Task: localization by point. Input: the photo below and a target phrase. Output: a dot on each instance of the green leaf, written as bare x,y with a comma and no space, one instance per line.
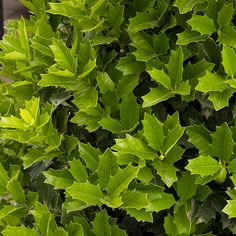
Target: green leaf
173,137
155,96
175,67
181,219
134,146
101,226
111,124
96,7
170,226
129,112
200,137
186,187
63,55
140,215
150,125
78,171
128,65
86,192
227,36
23,38
202,24
3,176
160,201
87,96
203,165
211,82
119,182
189,36
229,60
104,82
225,15
230,208
59,179
66,9
13,122
142,21
222,142
140,201
37,155
186,5
167,172
16,191
19,231
143,44
161,77
107,167
89,155
220,99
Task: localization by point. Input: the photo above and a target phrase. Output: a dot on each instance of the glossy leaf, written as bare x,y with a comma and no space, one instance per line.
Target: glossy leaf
203,165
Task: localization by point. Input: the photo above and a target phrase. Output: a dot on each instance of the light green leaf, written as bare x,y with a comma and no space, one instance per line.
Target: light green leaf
96,7
161,77
129,112
160,201
16,191
37,155
104,82
64,81
67,9
87,96
89,155
23,38
153,132
142,21
222,142
173,137
170,226
134,146
186,5
13,122
225,15
175,67
111,124
181,219
202,24
101,226
78,171
167,171
59,179
189,36
134,199
63,55
203,165
19,231
3,176
140,215
107,167
120,181
200,137
86,192
227,36
229,60
8,210
156,95
220,99
230,208
211,82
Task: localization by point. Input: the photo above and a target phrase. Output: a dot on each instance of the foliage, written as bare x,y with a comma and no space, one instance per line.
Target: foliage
119,118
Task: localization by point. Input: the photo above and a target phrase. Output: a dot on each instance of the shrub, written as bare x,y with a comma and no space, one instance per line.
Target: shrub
119,119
